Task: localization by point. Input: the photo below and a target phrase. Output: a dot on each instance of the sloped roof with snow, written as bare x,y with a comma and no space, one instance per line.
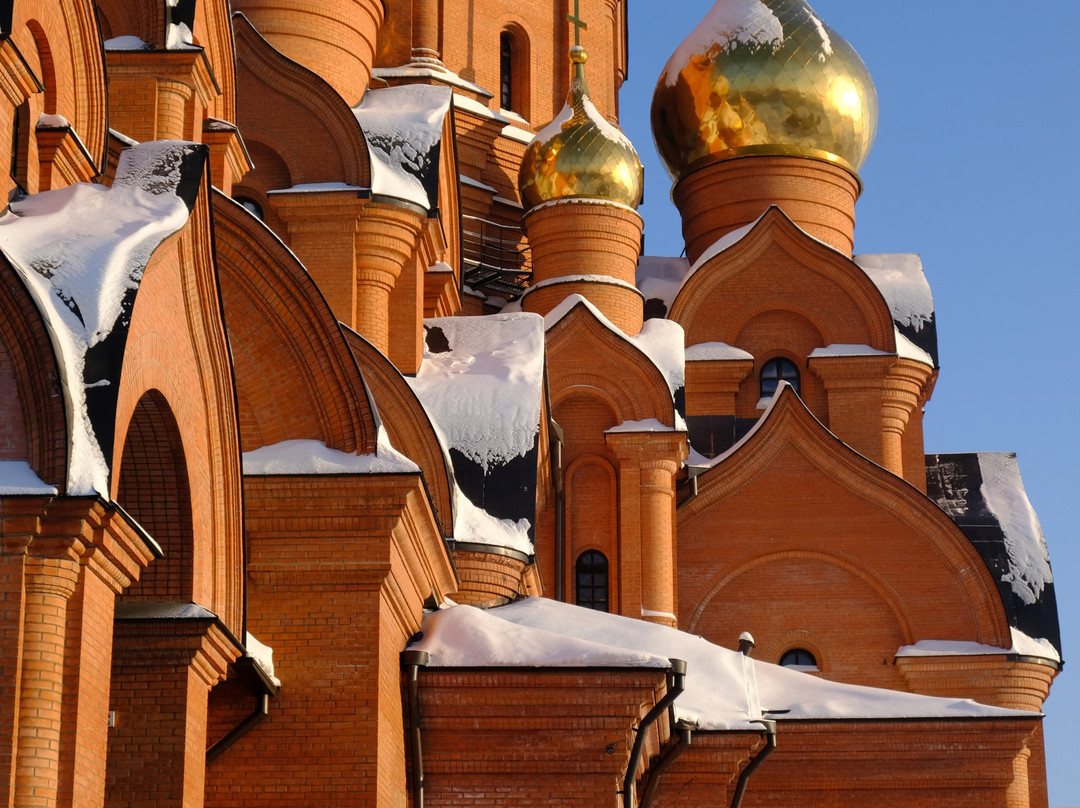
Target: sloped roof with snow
725,690
901,280
403,128
482,384
984,495
82,251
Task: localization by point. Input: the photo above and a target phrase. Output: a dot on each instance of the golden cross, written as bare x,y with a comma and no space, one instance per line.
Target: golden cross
578,23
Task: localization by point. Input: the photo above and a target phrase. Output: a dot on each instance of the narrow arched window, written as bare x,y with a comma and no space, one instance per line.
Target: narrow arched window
506,70
592,580
775,371
798,658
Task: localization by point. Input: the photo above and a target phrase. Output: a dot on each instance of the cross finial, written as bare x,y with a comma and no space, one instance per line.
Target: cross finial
578,23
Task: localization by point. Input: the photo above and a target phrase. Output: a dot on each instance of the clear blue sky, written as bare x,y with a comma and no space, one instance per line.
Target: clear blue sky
974,168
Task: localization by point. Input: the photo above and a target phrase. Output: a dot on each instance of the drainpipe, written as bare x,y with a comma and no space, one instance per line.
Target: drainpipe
413,661
263,689
744,778
664,764
675,689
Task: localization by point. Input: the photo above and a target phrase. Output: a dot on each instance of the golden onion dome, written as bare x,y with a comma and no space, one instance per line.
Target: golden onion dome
763,77
580,155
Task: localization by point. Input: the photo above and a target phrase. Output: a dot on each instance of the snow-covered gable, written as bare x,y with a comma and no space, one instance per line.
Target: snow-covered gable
725,690
901,280
82,251
984,494
403,129
482,384
660,340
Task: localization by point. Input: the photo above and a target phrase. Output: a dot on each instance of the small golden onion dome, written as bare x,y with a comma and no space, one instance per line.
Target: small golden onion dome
763,77
580,155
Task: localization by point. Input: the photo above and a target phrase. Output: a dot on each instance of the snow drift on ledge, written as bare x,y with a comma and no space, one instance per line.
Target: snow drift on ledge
725,690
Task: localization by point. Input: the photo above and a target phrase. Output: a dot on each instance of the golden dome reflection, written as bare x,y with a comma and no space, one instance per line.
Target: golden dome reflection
580,155
763,77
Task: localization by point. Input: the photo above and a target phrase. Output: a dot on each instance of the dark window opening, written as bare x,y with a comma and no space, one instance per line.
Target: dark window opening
506,70
775,371
798,658
592,580
251,206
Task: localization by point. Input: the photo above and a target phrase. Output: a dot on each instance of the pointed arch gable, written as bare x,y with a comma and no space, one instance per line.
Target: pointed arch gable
584,351
295,375
66,32
408,426
297,115
803,276
811,492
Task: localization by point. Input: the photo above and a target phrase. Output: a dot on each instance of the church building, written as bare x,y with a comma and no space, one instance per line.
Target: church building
353,454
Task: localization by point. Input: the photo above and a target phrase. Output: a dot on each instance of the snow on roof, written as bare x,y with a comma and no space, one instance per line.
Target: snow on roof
262,654
162,610
729,25
438,72
403,130
706,351
725,690
1022,645
314,457
474,525
1003,492
126,42
477,108
984,495
842,349
646,425
482,382
81,252
901,281
661,277
907,349
660,340
16,477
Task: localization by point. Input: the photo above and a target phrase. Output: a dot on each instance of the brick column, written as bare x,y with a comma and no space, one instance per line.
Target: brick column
901,395
49,583
425,40
713,384
163,669
853,385
386,238
647,465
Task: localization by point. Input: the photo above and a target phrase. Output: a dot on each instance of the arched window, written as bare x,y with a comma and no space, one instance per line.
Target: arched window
592,580
798,658
775,371
514,71
506,70
251,206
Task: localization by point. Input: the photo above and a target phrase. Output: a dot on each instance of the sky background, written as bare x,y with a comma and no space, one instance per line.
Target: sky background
975,169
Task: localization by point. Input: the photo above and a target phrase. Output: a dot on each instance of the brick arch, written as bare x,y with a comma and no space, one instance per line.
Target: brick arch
778,266
408,426
803,577
33,424
297,114
154,488
800,337
583,352
808,476
292,366
133,18
592,517
73,45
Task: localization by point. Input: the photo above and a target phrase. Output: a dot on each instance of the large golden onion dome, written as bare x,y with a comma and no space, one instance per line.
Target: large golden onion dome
580,155
763,77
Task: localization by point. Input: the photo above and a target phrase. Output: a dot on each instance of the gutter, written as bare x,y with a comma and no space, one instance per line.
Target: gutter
412,662
263,689
675,689
744,778
560,512
669,757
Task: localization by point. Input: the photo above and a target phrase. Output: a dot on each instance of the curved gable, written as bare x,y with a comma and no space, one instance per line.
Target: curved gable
33,426
776,266
295,376
297,115
410,430
853,540
584,352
